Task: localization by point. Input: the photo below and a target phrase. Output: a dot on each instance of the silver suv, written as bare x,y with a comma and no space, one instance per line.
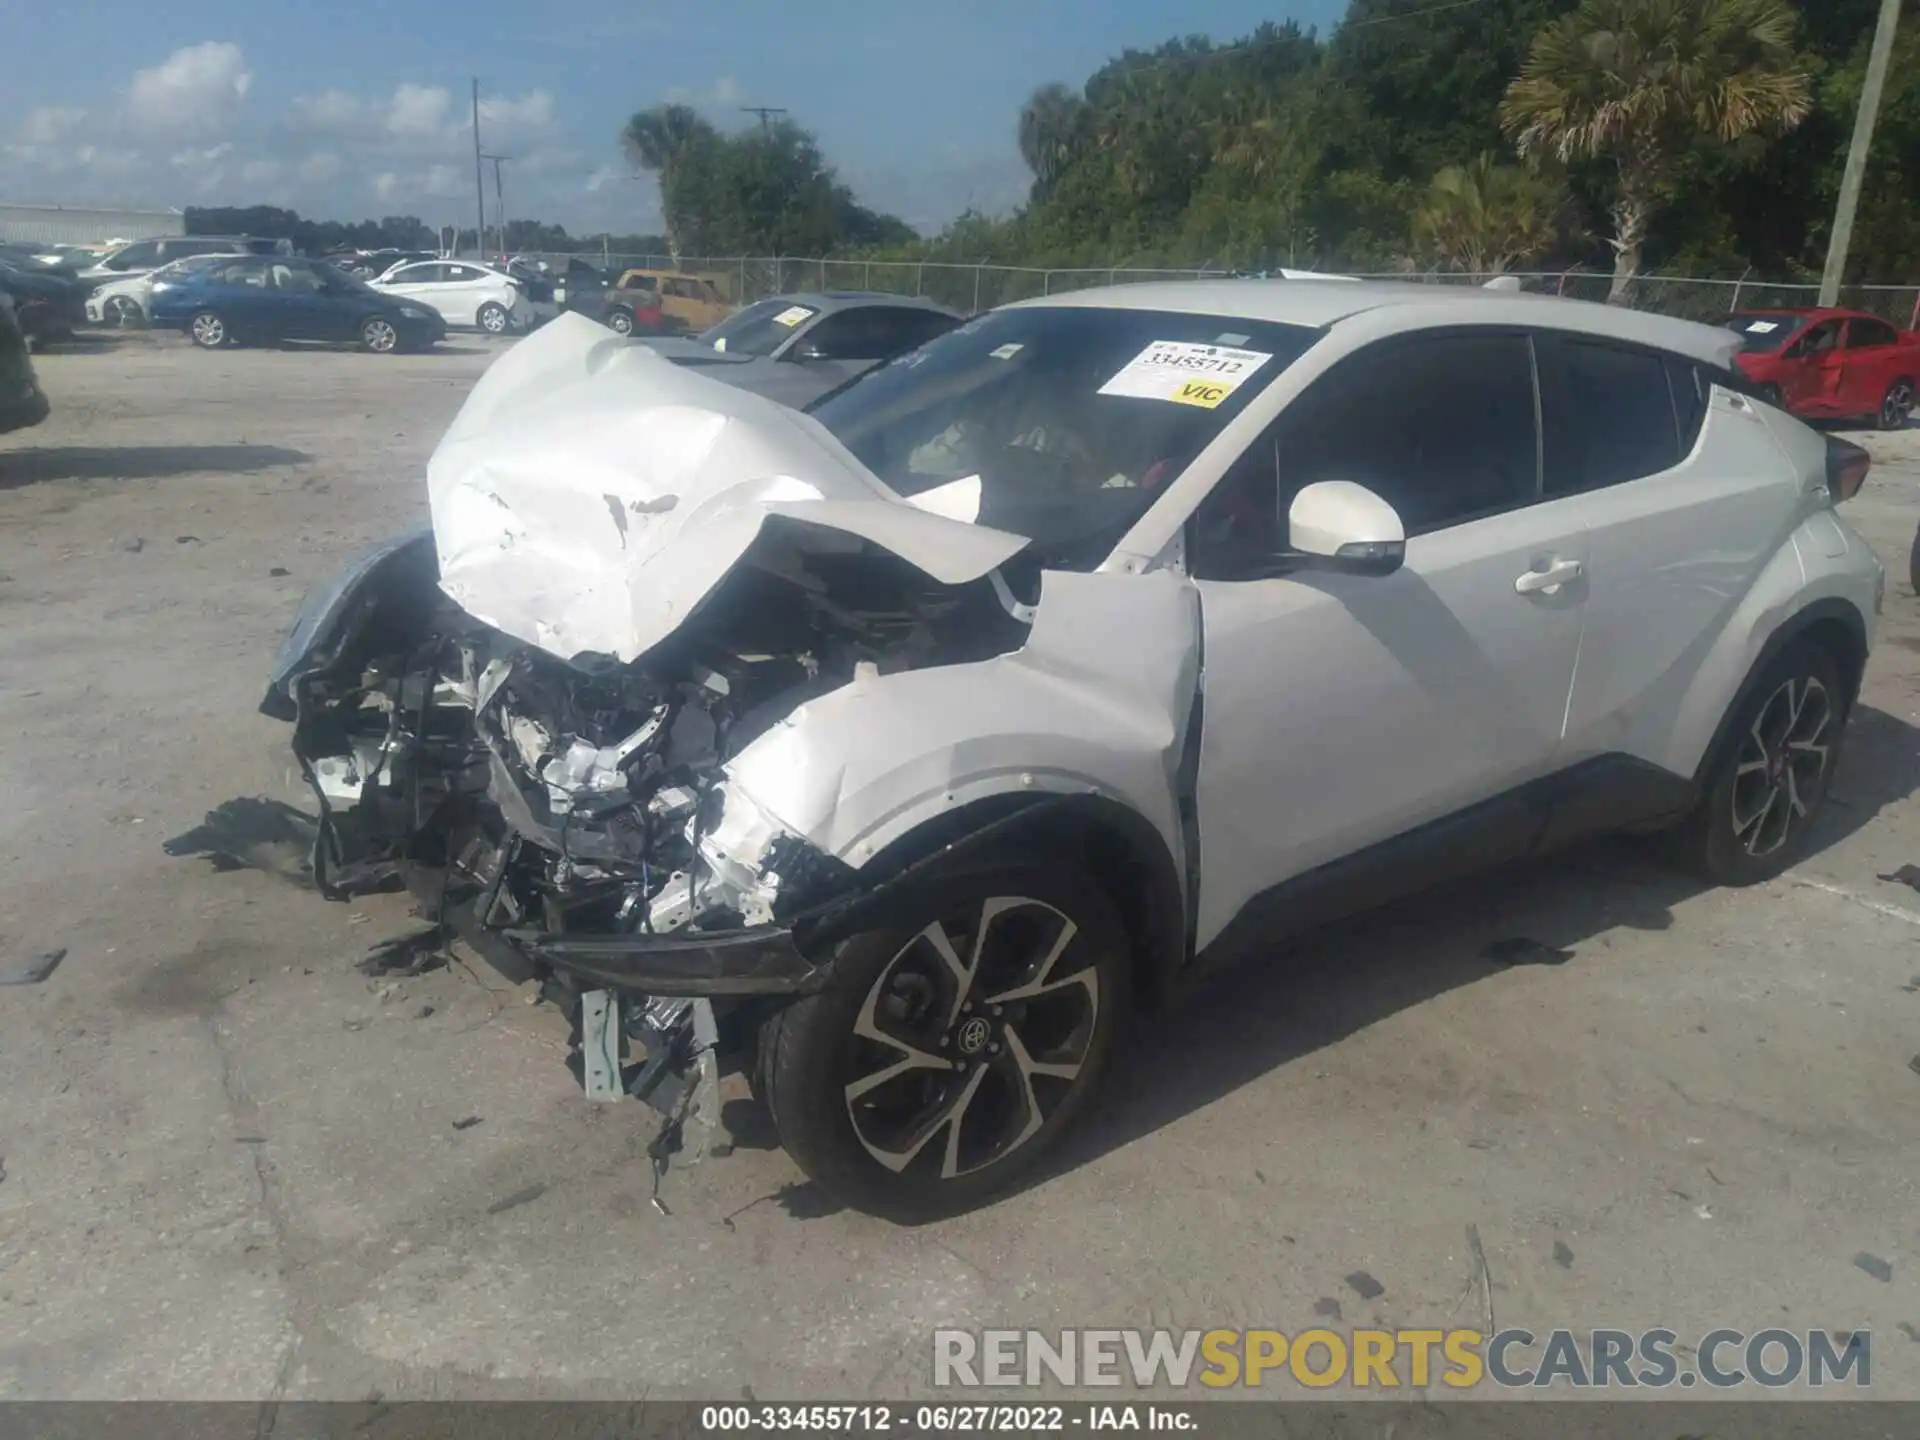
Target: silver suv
894,750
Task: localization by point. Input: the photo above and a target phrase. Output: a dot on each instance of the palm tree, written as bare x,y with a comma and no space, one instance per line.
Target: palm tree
657,140
1483,216
1642,83
1054,128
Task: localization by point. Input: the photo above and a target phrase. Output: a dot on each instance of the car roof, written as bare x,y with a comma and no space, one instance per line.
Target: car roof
831,300
1320,304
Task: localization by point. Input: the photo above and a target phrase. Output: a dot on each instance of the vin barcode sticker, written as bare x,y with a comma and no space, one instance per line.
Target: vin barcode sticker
1186,374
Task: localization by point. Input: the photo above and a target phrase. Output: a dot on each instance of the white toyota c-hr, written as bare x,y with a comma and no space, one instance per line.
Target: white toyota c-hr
898,747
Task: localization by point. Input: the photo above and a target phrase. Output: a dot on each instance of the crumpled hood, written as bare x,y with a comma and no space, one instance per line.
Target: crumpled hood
590,493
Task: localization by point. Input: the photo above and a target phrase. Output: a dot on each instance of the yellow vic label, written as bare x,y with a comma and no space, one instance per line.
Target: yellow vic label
1203,393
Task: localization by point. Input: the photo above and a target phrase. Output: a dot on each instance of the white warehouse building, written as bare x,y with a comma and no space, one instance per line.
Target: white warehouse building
85,224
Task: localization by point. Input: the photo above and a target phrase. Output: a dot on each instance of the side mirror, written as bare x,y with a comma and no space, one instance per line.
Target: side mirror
1338,525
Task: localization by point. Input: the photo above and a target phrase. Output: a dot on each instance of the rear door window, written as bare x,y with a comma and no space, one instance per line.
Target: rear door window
1609,412
1865,334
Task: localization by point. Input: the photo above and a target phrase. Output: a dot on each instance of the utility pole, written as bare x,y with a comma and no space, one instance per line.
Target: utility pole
1855,175
764,112
479,183
499,201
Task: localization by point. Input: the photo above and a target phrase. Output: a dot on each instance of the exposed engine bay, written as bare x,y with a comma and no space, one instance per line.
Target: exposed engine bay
526,800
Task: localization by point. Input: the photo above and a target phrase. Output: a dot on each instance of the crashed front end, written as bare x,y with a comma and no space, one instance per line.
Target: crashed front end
527,712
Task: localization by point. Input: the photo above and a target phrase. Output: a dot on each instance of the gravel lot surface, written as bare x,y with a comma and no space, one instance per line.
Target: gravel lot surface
232,1166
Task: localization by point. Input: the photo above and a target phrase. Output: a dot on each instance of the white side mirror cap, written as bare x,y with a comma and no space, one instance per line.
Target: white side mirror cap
1344,526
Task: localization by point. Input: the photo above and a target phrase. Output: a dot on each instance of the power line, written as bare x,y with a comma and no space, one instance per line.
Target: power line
763,111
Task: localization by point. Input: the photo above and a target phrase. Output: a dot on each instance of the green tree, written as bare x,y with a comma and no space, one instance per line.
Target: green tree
1643,84
1485,217
1055,127
668,142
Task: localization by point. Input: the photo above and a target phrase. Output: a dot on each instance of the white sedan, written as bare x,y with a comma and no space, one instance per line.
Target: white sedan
468,296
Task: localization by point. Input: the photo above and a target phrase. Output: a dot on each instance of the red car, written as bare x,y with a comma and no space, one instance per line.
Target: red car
1829,364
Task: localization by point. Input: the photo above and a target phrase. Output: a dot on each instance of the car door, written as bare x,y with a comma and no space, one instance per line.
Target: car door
1341,711
423,284
1811,383
301,310
1685,497
1871,356
242,291
465,289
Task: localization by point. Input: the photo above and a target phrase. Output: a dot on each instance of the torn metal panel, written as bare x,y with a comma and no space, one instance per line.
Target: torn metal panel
590,494
1096,702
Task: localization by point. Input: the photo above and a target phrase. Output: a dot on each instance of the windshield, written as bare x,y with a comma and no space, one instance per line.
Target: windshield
760,329
1765,332
1062,425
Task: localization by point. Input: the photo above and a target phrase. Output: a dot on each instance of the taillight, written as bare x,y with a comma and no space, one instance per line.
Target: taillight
1847,466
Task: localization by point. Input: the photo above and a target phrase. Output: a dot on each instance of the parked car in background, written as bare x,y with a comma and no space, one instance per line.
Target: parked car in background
632,310
47,304
254,298
689,303
795,348
538,289
22,402
1832,364
41,259
143,257
579,286
466,295
124,302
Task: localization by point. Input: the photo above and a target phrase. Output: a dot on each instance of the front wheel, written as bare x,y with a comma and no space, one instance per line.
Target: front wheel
1765,791
620,322
965,1031
1897,405
493,319
124,311
209,330
378,335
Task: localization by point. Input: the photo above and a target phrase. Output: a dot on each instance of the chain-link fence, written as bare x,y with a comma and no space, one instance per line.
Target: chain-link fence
972,288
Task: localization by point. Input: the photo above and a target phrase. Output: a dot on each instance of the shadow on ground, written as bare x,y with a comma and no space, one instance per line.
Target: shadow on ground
34,466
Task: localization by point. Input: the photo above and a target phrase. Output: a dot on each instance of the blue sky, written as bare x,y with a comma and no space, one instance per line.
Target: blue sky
342,111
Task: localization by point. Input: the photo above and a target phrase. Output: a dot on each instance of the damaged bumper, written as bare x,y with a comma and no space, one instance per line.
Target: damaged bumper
760,960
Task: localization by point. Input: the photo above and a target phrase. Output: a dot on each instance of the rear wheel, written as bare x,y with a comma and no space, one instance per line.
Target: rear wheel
493,318
209,330
1765,791
1897,405
377,333
966,1031
620,322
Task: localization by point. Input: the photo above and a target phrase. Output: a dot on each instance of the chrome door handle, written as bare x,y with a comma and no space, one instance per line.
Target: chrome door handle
1546,581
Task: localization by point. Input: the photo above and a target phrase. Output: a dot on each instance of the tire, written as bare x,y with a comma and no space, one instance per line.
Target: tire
494,319
998,1085
620,322
1913,563
1766,788
379,335
123,311
1896,405
209,330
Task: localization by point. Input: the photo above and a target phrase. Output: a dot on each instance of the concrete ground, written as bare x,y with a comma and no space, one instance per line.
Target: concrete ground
234,1167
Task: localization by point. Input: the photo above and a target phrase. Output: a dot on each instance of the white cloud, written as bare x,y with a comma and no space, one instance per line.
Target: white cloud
261,172
532,111
50,124
603,176
321,167
386,186
417,111
197,90
440,181
724,91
